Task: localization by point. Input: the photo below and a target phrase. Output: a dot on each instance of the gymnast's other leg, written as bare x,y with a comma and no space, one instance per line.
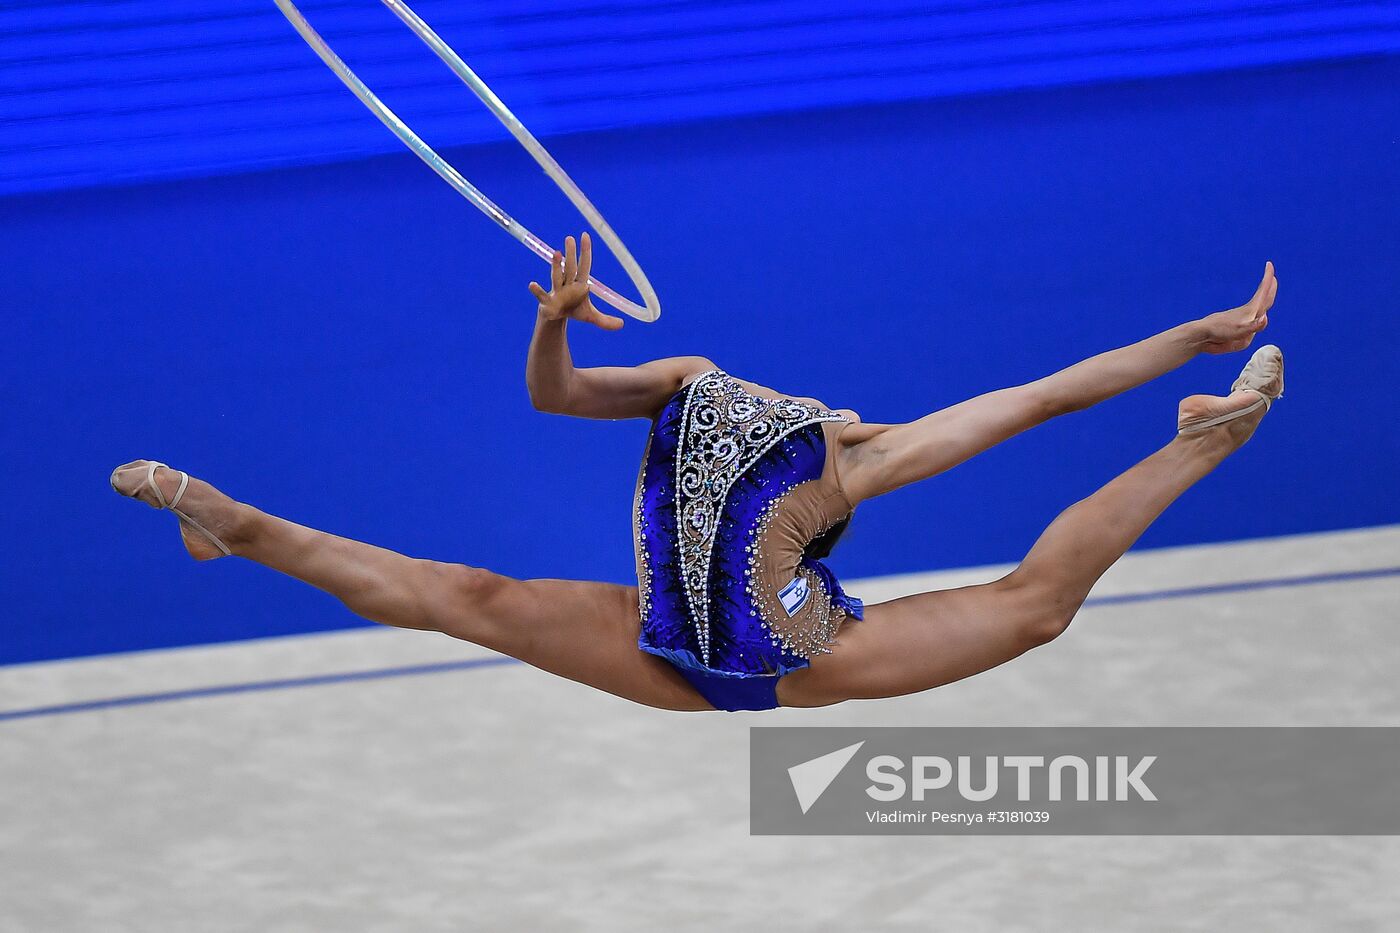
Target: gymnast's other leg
876,459
917,642
583,631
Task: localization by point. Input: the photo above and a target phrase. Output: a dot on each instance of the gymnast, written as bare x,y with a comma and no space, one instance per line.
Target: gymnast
742,491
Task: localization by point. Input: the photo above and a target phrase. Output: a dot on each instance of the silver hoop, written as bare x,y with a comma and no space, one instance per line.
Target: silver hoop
648,311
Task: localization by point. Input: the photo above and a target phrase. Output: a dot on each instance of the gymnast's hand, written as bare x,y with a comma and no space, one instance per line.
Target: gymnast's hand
568,298
1228,331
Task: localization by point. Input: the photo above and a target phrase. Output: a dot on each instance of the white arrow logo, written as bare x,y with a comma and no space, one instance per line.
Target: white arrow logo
811,778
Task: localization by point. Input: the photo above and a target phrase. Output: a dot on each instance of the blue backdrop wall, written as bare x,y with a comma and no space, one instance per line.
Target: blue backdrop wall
92,93
344,344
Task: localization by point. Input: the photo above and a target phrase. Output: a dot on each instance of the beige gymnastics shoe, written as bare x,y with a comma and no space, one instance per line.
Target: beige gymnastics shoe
137,480
1259,384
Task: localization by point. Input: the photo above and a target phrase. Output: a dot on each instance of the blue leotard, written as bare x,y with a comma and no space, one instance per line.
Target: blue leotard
732,491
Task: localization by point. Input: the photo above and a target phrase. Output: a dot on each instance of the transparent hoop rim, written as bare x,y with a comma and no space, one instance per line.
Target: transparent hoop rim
648,311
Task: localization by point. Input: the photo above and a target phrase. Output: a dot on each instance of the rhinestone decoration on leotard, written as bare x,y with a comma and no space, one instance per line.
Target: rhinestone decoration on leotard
724,431
639,541
803,636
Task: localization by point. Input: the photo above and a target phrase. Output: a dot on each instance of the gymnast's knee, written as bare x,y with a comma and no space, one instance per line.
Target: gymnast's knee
459,599
1050,624
1041,611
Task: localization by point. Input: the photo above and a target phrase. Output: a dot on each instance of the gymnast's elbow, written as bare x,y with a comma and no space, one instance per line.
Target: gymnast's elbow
549,403
549,406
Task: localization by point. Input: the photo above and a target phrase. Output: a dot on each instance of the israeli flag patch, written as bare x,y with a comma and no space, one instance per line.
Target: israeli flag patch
794,595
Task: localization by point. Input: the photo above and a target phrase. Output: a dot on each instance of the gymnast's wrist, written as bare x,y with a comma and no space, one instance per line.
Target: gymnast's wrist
1196,334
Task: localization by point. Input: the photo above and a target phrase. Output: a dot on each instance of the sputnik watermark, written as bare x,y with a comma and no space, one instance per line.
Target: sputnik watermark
1075,781
811,778
1117,778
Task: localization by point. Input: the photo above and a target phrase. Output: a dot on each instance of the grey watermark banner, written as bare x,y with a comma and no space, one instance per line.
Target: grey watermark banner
1074,781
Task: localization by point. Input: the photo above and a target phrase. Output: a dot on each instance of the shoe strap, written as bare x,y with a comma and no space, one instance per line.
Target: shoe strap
155,487
180,493
1268,399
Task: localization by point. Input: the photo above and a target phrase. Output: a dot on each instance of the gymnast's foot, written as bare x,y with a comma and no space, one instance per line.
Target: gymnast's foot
1239,410
1239,413
211,524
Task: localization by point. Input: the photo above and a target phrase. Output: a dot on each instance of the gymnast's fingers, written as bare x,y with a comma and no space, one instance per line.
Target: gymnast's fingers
570,264
539,292
1261,293
556,270
1264,300
605,321
585,259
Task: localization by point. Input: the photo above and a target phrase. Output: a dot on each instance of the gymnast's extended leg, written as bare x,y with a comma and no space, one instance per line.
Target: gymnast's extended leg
917,642
583,631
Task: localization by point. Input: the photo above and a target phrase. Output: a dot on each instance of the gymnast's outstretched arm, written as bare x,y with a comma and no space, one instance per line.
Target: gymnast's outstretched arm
607,392
878,458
